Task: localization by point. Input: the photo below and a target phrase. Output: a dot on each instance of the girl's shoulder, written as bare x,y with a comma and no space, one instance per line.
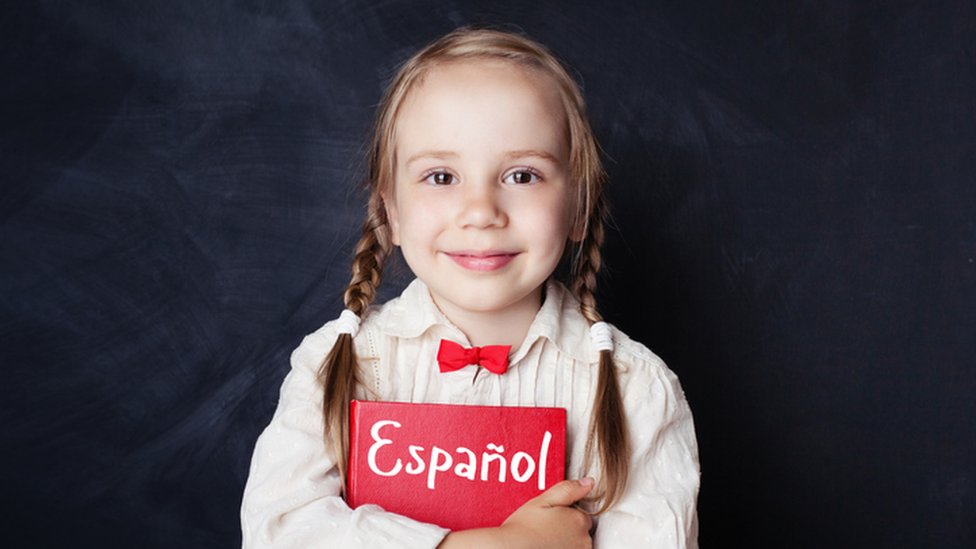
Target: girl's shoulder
316,345
638,366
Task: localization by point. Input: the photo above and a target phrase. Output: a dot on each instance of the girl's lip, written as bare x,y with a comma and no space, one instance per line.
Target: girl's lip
482,261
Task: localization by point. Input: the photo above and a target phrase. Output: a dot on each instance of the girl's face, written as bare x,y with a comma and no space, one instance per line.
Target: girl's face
481,205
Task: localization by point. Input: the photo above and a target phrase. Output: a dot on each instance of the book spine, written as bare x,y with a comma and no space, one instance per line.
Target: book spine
352,464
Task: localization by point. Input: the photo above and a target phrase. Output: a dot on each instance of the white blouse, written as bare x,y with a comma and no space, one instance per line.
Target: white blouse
292,495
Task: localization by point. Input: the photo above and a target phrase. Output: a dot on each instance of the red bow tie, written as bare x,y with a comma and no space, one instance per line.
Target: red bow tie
452,356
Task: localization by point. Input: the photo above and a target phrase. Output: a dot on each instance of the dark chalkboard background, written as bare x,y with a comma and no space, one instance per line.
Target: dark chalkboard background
794,192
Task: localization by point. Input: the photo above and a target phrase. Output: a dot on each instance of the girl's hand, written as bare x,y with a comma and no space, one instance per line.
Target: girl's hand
548,520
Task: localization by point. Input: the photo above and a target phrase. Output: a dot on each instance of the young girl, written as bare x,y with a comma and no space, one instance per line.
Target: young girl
486,174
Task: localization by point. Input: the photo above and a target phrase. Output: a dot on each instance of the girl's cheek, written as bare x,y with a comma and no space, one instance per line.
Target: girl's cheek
420,218
431,205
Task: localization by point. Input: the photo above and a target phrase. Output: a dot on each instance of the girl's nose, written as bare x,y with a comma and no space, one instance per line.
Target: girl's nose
481,206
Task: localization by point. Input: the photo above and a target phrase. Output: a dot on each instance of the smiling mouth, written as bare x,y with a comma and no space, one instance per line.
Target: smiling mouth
482,261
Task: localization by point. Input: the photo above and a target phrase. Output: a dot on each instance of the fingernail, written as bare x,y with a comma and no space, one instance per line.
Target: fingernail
586,481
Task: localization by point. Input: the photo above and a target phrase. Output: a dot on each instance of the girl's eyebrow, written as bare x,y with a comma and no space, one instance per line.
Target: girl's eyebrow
530,153
439,155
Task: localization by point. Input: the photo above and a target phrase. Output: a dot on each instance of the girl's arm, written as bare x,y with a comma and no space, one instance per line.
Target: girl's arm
292,495
658,507
548,520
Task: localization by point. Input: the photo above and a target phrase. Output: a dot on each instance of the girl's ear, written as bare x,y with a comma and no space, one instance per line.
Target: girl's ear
392,218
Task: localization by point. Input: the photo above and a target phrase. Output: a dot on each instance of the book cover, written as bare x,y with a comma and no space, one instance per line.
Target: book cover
456,466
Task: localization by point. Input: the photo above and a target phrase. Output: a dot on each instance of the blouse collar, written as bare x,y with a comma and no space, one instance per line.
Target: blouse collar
559,320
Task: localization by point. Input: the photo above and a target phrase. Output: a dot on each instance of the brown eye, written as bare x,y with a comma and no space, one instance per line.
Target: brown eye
521,177
441,178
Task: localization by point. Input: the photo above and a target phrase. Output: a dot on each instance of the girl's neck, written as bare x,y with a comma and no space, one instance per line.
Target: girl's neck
500,327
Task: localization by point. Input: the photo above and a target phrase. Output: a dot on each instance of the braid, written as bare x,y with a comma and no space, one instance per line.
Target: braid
338,372
608,429
371,252
588,262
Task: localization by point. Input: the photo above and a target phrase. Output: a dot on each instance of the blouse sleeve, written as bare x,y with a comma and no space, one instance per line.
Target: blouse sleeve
658,507
292,499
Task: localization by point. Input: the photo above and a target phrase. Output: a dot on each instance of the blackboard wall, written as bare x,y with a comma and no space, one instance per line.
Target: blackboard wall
794,231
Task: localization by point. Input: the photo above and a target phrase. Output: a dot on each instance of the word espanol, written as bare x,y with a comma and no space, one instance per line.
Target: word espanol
522,466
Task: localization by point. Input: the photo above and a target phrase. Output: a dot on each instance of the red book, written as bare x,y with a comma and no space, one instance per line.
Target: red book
456,466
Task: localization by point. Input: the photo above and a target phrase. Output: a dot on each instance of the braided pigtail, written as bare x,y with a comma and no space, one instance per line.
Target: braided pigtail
608,428
338,372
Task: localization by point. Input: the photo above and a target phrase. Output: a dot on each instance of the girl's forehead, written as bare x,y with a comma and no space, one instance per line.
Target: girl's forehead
471,98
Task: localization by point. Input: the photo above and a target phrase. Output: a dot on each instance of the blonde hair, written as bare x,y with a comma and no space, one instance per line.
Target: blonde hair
607,430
